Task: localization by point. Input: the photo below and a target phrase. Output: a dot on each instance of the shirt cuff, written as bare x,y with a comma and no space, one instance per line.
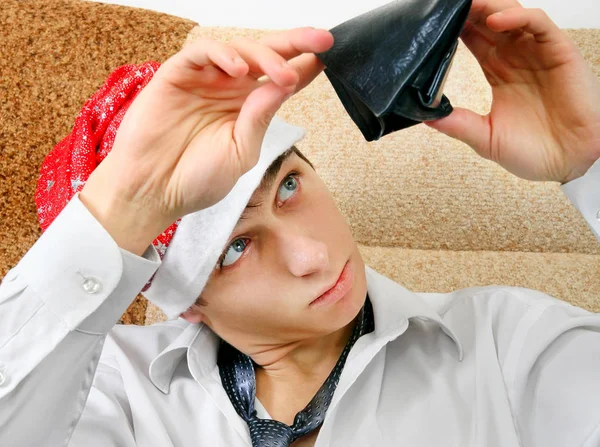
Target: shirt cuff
76,267
584,192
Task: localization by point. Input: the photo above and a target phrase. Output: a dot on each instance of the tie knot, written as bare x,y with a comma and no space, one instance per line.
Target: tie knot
269,433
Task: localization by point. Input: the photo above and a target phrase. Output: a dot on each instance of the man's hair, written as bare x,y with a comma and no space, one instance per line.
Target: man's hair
268,178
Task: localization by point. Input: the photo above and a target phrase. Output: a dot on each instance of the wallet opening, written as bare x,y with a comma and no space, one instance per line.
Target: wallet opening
431,96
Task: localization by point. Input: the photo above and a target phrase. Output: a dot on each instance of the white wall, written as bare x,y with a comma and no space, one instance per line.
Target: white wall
281,14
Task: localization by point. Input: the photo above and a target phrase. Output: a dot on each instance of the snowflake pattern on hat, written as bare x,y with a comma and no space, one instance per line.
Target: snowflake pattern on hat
67,167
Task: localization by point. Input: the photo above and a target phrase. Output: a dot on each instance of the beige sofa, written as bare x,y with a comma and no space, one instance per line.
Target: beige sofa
425,209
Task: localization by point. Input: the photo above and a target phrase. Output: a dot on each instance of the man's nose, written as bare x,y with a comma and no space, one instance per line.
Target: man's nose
302,254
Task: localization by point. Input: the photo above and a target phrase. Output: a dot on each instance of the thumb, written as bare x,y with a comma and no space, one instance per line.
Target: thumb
468,127
254,118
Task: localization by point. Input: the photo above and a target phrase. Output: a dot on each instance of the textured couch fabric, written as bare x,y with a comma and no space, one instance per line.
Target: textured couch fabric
425,209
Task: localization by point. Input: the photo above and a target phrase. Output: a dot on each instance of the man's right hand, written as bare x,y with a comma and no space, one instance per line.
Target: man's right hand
195,128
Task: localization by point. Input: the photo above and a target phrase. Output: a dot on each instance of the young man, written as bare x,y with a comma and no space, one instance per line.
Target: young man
286,338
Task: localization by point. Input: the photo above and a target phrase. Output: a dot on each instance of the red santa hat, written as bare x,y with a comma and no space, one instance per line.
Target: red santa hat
190,247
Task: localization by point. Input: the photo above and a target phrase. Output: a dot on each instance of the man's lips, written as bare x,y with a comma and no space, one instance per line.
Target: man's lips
339,289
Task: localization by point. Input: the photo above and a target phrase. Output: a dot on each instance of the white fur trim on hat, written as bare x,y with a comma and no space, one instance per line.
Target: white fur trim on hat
201,236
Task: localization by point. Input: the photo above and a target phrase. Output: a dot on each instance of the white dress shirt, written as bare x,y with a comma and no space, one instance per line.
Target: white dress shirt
485,366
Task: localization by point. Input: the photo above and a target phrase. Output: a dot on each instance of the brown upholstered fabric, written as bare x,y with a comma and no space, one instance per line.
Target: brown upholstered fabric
424,208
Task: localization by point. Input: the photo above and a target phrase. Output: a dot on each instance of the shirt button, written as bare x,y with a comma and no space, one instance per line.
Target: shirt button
2,375
91,285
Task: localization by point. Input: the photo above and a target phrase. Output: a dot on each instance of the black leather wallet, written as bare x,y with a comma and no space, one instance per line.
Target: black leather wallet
389,65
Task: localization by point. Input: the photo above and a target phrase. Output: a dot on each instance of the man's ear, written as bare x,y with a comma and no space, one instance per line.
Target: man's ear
192,314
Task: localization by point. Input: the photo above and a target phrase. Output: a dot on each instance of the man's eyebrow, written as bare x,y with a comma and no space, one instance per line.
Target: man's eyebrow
267,182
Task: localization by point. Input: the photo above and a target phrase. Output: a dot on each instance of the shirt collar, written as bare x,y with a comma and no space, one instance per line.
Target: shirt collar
393,304
198,344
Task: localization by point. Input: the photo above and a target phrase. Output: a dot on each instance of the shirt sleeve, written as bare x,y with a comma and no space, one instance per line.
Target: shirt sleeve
584,192
552,374
56,307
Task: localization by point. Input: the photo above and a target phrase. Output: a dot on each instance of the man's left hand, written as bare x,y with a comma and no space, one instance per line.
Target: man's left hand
544,123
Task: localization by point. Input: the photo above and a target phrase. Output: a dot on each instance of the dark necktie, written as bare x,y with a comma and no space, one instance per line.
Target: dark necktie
237,375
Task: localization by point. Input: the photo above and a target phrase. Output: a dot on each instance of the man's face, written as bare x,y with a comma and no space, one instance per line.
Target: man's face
290,245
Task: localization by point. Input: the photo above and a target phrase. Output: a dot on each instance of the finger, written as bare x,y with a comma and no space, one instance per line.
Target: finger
254,118
482,49
468,127
531,20
298,46
263,60
294,42
477,43
203,52
482,9
481,40
308,66
289,44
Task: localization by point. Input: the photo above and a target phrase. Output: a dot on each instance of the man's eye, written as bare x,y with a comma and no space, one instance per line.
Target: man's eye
288,187
236,249
233,252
